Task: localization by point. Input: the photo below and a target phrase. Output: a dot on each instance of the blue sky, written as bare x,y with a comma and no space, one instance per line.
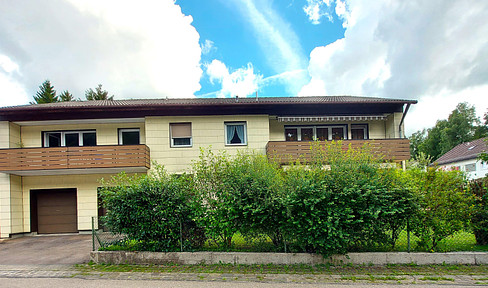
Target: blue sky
236,42
432,51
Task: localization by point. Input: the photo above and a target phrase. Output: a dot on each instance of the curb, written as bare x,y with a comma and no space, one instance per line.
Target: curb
245,258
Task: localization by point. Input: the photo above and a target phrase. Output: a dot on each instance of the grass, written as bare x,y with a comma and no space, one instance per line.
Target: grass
389,272
461,241
436,278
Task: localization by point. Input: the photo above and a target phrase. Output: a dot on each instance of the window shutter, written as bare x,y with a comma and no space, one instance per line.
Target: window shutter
180,130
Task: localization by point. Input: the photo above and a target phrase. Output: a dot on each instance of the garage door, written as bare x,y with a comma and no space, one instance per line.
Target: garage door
56,211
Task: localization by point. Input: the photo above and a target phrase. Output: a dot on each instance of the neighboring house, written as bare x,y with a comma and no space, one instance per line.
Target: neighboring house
54,154
464,157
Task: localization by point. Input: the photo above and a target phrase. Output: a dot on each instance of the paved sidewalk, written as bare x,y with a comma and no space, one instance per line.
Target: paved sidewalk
69,271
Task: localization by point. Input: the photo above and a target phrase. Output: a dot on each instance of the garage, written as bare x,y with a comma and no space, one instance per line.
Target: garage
54,211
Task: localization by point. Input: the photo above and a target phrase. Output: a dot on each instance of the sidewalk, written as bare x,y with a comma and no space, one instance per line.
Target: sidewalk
80,272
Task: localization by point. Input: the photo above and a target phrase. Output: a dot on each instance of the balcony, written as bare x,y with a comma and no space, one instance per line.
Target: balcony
390,149
75,160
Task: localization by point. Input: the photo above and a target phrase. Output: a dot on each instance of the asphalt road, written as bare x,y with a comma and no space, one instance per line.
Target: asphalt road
75,283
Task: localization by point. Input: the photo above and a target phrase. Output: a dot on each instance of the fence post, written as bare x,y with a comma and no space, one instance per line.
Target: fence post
181,236
93,233
408,235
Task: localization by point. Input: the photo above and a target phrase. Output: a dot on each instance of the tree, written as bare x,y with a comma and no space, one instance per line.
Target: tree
45,94
66,96
462,126
98,94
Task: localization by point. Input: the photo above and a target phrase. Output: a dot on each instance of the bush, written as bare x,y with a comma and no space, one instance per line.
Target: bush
479,219
344,201
445,205
156,210
241,193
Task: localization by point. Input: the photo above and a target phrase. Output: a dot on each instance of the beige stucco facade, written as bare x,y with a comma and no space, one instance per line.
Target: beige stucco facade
206,132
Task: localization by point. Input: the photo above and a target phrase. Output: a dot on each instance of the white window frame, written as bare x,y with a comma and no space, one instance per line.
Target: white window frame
63,136
245,133
314,127
122,130
172,144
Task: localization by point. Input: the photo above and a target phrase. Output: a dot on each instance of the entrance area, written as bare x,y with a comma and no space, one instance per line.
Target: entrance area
53,211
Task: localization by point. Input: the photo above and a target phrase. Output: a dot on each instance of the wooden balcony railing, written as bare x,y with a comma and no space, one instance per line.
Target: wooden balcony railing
55,158
388,149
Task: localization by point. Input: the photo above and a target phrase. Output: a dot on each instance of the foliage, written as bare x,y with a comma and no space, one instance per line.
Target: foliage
97,94
461,126
240,194
420,161
45,94
479,219
156,210
445,205
66,96
349,204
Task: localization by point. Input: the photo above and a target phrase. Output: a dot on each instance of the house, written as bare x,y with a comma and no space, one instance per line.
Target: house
464,157
53,155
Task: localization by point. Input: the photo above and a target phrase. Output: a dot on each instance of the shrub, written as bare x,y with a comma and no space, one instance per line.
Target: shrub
479,219
445,205
157,210
344,201
241,193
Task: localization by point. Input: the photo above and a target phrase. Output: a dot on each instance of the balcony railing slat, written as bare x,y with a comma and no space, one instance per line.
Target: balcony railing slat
110,156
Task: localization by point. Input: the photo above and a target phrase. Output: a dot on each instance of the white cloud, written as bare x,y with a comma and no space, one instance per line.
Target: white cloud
434,51
277,40
207,46
143,49
316,9
241,82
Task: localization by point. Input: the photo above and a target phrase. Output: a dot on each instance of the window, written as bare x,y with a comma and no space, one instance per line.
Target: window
235,133
359,131
70,138
180,134
321,133
129,136
470,167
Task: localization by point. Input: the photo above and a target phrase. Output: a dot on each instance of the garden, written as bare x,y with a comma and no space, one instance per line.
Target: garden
341,201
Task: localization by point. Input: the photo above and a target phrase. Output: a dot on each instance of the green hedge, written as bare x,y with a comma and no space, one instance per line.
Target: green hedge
341,202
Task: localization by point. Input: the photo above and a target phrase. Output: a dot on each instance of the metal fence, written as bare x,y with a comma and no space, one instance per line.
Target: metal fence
102,238
406,242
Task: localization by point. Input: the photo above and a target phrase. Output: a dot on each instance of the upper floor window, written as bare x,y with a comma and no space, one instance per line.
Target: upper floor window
321,133
235,133
129,136
180,134
70,138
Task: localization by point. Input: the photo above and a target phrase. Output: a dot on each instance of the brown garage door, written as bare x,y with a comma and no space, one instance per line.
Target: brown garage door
56,211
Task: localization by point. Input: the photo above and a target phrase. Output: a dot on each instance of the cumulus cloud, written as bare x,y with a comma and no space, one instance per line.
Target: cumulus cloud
241,82
143,49
407,49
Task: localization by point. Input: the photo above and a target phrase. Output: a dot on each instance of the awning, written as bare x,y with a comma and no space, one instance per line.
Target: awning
331,118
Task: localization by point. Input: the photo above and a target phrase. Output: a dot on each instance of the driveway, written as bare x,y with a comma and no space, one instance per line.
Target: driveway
56,249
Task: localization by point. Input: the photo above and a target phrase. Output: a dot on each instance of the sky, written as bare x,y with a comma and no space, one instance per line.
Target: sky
432,51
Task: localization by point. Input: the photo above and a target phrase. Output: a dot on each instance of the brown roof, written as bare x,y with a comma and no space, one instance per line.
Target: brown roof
203,106
464,151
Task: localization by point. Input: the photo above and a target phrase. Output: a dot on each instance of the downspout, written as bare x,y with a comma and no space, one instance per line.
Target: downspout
401,121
